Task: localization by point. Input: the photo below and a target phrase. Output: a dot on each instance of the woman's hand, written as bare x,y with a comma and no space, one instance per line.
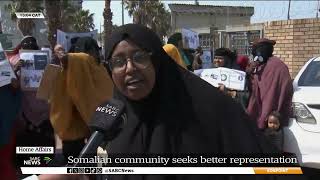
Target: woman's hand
232,93
18,66
63,58
221,87
229,92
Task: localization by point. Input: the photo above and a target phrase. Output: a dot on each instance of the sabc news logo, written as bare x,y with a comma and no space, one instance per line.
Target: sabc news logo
36,161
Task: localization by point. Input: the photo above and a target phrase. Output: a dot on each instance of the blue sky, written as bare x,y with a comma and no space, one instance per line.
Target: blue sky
263,10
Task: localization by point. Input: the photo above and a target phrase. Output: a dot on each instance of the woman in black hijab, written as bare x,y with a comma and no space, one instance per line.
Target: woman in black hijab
169,109
29,43
224,57
89,46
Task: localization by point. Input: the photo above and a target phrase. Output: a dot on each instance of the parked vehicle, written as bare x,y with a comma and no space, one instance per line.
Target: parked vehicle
302,136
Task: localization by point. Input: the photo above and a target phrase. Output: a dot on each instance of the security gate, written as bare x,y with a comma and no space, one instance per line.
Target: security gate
241,41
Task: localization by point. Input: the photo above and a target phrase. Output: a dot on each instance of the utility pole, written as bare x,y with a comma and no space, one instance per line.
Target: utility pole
101,36
0,26
107,25
289,10
317,16
122,4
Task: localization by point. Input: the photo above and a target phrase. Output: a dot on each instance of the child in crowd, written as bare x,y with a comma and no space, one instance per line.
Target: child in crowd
273,132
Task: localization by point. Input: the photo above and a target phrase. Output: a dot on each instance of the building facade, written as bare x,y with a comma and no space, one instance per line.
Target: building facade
209,21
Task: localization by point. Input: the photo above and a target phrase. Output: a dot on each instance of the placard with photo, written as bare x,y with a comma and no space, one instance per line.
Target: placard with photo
34,64
6,71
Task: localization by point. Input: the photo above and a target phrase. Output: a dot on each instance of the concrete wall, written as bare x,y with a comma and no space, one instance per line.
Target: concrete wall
297,41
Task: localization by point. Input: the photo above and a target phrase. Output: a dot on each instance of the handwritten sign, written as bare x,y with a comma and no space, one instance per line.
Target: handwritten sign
33,67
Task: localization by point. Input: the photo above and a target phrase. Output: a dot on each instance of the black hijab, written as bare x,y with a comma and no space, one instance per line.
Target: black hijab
89,46
263,49
183,114
175,38
29,43
228,56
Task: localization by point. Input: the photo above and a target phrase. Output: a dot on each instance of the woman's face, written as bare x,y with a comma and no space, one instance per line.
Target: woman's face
218,61
135,76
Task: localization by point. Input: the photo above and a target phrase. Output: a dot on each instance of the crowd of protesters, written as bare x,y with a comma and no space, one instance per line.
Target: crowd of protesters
169,109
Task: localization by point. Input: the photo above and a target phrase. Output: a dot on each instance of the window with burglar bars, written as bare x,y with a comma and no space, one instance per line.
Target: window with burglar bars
205,41
240,41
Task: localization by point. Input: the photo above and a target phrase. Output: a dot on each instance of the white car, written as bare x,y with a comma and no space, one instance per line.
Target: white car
302,136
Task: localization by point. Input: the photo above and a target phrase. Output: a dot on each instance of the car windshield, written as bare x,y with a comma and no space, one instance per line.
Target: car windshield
311,75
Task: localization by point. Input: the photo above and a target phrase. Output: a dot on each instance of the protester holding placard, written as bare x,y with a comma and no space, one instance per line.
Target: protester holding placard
79,88
224,57
34,115
226,76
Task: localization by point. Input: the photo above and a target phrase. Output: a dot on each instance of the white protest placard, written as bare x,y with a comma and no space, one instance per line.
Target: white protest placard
231,78
64,38
6,71
35,61
190,39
